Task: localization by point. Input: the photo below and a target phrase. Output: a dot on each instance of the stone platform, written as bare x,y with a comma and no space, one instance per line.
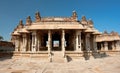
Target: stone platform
110,64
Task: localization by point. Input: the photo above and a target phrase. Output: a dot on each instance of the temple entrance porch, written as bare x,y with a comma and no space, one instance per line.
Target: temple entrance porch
54,40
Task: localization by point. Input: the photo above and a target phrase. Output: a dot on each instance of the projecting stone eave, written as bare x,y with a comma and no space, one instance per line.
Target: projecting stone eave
15,33
23,30
89,30
96,32
55,25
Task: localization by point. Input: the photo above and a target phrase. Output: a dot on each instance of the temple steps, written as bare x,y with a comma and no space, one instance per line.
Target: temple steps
58,57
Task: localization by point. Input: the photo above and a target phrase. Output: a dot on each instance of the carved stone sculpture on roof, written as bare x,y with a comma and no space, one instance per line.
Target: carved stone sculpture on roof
83,20
37,16
28,21
90,23
20,24
74,16
105,32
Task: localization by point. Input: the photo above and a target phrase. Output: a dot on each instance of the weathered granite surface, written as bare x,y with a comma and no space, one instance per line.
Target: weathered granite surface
109,64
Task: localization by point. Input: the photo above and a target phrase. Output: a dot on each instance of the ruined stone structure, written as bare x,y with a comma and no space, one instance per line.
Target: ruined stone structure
54,37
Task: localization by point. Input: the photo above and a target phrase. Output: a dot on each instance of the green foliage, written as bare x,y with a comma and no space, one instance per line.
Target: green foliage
1,38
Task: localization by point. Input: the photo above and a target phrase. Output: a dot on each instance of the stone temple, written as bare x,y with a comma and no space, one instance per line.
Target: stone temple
57,38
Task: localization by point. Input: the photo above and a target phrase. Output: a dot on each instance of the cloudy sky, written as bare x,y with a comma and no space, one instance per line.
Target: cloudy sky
104,13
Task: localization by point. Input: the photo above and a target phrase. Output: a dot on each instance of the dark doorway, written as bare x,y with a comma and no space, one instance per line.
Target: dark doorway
56,41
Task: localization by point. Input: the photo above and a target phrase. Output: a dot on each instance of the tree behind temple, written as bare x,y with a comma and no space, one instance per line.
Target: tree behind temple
1,38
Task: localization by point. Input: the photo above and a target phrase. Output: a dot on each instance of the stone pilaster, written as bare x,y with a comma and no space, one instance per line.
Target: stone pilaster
105,46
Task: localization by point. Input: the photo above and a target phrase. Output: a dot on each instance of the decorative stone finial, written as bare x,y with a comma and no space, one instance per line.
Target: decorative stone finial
74,16
105,32
114,33
83,18
28,21
20,24
90,23
37,16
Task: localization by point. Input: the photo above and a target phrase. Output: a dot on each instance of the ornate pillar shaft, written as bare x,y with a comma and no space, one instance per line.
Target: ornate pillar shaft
95,43
17,43
29,43
34,41
106,46
38,46
117,46
78,40
39,42
63,42
113,46
87,42
24,42
49,41
102,46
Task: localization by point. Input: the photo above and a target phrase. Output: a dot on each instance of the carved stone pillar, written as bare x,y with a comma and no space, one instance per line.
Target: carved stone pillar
24,42
63,42
78,40
38,44
117,46
87,39
113,46
34,41
95,43
106,46
49,41
102,48
29,42
17,43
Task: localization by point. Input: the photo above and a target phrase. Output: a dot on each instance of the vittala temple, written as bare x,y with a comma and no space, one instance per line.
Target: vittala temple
60,38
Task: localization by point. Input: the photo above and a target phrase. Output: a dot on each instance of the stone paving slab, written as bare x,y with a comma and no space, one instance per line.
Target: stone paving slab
109,64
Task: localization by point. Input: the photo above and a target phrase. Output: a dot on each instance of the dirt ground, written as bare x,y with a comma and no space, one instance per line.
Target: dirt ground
110,64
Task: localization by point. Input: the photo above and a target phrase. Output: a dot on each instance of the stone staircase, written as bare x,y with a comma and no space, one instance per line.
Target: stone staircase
58,57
